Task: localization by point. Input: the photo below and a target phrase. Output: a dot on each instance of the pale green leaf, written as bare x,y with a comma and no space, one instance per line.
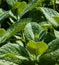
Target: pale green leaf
2,32
19,7
37,48
4,62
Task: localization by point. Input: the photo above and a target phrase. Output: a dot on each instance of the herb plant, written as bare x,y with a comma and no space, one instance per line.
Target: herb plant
29,32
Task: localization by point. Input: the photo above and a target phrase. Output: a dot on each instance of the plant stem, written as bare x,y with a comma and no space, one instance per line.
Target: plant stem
54,6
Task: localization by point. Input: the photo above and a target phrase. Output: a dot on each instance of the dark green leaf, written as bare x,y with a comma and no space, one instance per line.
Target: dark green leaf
16,27
49,58
49,14
53,45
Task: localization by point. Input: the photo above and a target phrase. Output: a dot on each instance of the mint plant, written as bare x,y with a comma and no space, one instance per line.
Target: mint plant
29,32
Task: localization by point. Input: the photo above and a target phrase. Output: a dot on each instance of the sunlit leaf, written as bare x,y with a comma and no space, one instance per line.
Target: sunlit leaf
37,48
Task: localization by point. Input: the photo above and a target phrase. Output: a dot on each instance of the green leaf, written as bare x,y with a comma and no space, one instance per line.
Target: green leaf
42,47
47,34
19,7
14,53
13,58
36,48
49,14
31,5
53,45
19,42
28,32
2,32
57,1
49,58
16,49
13,29
11,2
3,15
4,62
56,33
6,14
56,18
36,16
31,31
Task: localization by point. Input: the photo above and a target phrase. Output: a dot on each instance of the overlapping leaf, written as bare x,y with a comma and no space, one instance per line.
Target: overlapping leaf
49,14
31,31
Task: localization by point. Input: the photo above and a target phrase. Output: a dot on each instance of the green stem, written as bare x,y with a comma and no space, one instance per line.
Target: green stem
54,6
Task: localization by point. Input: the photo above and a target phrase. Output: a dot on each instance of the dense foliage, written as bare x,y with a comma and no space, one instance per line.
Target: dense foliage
29,32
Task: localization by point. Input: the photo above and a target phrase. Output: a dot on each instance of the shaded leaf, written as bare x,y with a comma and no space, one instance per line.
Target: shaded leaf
31,5
56,33
49,14
49,58
19,7
11,2
2,32
53,45
13,29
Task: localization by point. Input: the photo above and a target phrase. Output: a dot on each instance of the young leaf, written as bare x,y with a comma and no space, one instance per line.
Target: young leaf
19,7
37,48
11,2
